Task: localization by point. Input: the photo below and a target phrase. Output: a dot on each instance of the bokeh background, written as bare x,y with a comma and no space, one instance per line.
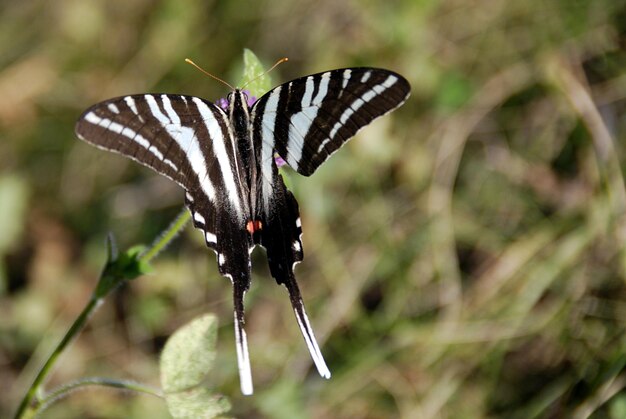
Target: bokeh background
464,256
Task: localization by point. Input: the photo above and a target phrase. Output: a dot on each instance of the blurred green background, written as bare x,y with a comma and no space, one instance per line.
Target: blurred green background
464,256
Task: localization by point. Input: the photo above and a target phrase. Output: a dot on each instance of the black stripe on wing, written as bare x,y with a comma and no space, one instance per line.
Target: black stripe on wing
308,119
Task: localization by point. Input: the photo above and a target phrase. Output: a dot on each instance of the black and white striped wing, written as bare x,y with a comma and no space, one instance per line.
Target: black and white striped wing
308,119
185,138
190,141
305,121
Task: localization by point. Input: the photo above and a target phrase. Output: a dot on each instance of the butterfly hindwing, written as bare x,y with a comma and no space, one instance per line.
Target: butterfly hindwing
281,237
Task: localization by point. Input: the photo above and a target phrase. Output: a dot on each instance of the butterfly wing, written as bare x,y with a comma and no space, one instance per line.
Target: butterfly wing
280,236
190,141
307,119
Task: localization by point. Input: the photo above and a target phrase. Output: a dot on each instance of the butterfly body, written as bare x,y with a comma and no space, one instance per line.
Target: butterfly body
224,160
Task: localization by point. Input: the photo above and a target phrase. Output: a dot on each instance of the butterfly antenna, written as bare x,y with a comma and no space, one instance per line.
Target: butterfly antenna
188,61
276,64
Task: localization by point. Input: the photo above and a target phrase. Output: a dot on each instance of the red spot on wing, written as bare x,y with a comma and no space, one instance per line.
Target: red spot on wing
254,225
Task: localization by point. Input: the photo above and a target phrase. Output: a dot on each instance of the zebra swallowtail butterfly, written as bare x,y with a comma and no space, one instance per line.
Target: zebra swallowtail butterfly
224,160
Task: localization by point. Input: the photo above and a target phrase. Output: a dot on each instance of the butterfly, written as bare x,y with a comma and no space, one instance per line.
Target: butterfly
224,159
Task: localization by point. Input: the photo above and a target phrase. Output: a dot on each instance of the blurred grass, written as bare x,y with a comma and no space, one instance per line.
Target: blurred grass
464,256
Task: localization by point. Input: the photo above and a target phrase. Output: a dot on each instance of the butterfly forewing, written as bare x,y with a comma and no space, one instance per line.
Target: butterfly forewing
184,138
308,119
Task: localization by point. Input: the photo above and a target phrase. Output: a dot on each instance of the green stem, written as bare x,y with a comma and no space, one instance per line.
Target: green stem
66,389
166,237
29,404
79,323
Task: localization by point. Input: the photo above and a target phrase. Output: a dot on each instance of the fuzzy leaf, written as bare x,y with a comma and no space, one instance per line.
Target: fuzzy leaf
189,355
186,359
196,403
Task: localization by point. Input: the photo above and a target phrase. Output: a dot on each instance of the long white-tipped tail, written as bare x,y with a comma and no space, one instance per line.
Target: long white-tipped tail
309,338
243,357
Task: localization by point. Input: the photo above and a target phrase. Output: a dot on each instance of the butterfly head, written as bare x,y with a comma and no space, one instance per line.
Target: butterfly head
237,98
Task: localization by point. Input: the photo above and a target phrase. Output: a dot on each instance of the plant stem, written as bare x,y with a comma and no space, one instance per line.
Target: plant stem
79,323
66,389
166,236
29,404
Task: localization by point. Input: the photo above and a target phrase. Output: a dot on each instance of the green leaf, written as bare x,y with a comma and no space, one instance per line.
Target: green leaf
120,267
252,69
189,354
187,358
196,403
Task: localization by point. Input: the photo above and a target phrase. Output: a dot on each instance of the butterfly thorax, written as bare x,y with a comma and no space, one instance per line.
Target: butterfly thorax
240,121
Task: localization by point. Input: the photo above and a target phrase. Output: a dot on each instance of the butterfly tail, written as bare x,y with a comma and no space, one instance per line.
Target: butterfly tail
243,356
305,327
233,258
